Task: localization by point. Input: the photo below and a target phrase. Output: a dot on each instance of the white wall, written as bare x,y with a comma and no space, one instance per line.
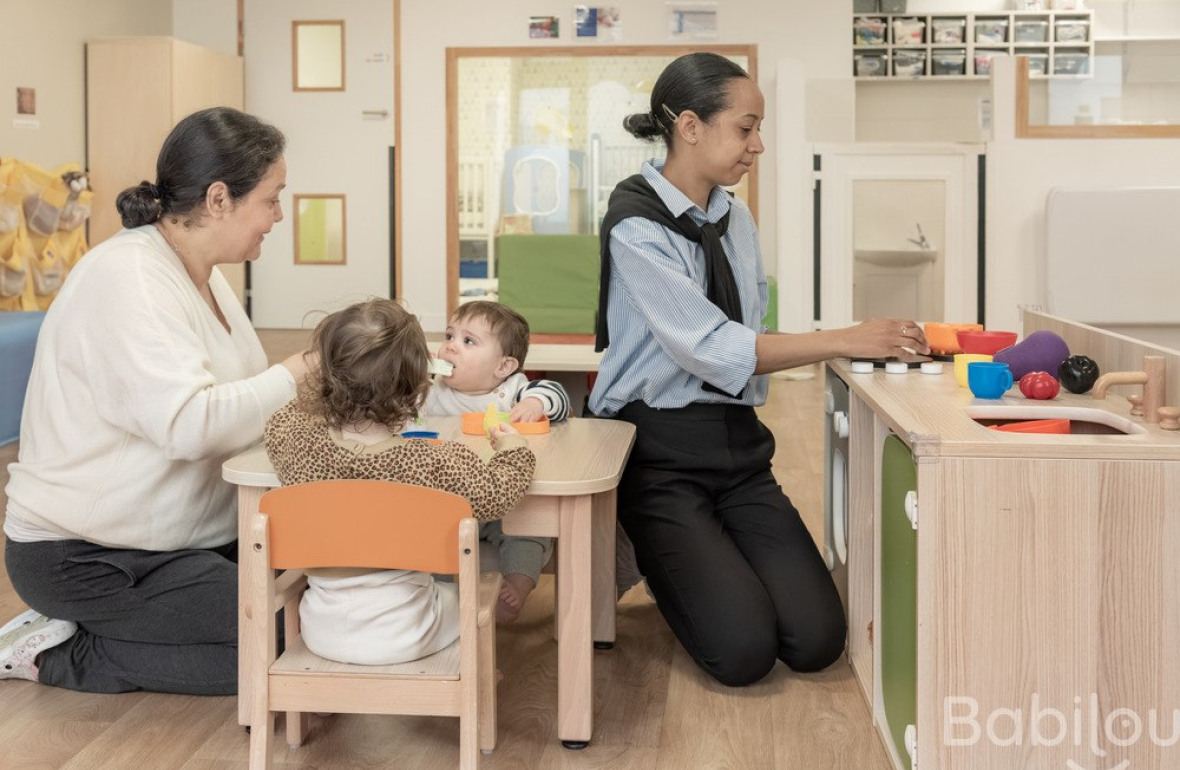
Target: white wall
815,33
891,111
42,46
211,23
1020,173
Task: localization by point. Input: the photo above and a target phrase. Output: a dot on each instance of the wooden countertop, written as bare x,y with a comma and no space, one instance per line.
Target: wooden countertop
929,413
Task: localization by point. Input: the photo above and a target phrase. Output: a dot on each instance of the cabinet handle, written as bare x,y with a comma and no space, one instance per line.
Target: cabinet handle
911,508
840,424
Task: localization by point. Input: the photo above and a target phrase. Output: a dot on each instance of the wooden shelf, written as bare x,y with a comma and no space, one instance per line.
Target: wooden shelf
887,48
1137,39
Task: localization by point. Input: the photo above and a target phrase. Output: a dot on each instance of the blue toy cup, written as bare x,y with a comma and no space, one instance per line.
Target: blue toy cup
421,433
988,379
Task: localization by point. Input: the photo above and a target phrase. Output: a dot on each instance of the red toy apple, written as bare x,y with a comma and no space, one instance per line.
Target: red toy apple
1039,385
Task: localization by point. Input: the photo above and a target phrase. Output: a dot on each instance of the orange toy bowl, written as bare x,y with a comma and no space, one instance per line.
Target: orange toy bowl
943,338
473,425
986,342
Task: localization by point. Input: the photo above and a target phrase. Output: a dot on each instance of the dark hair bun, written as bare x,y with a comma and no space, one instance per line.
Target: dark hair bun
642,125
139,205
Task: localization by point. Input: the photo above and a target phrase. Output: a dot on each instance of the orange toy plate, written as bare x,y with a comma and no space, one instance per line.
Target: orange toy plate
473,425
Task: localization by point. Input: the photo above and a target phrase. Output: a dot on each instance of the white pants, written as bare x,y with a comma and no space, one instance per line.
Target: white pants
379,618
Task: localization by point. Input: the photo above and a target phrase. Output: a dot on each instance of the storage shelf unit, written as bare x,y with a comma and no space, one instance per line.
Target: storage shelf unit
1059,54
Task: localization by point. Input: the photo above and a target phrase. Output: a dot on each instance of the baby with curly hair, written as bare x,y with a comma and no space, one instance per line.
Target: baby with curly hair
345,424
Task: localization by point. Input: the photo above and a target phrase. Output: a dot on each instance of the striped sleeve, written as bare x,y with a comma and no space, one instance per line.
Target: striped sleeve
551,394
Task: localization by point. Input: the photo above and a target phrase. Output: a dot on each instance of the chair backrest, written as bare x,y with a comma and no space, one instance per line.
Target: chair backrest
364,523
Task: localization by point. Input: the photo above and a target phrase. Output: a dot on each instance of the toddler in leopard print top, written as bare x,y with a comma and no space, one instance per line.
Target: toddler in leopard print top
345,424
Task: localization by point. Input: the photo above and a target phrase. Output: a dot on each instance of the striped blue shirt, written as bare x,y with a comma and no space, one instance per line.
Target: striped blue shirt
666,337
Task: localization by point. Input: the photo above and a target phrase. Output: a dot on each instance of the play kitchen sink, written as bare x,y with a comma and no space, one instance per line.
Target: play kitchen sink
1082,420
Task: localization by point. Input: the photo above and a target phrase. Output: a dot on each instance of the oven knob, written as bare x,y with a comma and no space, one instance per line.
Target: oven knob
840,424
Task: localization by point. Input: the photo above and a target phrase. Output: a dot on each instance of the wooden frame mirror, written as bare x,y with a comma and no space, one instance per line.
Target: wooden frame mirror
317,55
1026,129
321,231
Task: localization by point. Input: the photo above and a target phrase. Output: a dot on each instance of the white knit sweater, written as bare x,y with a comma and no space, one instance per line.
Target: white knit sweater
136,397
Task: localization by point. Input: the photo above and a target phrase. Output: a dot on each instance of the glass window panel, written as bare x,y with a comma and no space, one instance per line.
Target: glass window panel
540,146
1129,84
898,258
319,230
319,55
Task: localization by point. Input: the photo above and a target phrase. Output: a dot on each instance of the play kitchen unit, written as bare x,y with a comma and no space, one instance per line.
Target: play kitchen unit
1013,598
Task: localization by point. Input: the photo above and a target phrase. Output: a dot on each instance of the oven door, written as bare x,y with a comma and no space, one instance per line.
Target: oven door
836,423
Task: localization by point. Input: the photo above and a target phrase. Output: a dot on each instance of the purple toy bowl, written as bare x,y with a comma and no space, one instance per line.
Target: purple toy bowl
1041,351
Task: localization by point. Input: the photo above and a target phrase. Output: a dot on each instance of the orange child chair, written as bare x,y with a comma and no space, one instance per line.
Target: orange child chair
381,525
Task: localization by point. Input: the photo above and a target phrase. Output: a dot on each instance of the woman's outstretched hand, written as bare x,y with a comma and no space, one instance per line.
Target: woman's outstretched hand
884,338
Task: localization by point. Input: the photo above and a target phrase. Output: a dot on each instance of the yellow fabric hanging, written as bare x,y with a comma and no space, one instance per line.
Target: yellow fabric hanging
50,208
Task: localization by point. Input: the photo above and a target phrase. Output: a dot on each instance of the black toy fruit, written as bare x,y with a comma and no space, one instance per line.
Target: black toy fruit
1078,373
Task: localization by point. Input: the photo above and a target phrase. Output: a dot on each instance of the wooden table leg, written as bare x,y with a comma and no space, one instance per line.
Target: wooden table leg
575,649
603,570
248,498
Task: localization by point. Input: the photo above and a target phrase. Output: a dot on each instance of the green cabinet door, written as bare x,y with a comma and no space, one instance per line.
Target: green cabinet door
899,592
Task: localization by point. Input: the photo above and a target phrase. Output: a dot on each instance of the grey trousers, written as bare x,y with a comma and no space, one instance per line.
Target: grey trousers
164,621
518,555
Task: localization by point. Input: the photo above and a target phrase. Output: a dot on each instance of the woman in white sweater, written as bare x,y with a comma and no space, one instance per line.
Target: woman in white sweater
148,375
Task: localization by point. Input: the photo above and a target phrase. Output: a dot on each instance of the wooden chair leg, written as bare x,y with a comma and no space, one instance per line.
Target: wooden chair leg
296,721
262,737
469,741
297,726
487,688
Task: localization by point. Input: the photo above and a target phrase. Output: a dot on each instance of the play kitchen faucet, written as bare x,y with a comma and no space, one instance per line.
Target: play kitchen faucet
1152,380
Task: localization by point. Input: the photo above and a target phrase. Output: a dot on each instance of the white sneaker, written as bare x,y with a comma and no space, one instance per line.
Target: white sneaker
24,638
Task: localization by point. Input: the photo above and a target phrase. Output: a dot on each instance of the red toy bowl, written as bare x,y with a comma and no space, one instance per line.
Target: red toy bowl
1035,426
988,343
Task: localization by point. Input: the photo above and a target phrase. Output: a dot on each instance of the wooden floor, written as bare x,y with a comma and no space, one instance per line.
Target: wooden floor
653,709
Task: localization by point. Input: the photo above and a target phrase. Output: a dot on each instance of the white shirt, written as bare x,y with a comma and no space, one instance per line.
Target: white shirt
443,399
136,397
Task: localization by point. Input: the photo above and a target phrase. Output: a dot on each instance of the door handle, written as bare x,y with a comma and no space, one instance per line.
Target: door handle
840,424
911,508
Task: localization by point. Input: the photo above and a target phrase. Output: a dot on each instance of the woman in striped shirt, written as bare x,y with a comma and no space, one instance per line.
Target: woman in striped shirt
727,558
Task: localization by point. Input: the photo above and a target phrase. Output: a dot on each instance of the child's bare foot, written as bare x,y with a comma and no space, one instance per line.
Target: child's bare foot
514,589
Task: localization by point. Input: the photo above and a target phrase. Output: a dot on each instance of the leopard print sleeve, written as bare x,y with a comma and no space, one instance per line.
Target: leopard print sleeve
282,436
493,488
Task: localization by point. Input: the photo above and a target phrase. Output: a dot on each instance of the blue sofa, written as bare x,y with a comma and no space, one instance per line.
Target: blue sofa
18,340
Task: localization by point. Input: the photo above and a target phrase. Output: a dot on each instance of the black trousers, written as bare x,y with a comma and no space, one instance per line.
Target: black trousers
732,567
165,621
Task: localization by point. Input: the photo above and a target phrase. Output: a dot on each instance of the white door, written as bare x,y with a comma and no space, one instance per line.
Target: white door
338,143
898,233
